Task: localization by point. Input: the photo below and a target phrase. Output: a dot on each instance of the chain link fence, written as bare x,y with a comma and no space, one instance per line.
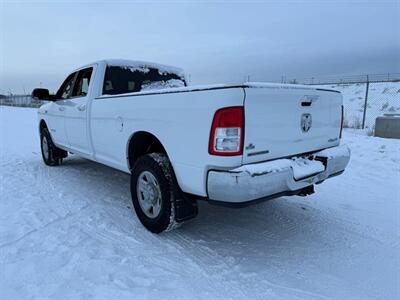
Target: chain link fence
365,97
364,102
350,79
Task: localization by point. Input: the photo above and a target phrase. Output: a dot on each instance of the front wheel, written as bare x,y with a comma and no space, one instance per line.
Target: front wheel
152,189
52,156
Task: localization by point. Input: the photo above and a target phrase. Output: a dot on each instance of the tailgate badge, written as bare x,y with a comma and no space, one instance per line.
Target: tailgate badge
250,146
305,123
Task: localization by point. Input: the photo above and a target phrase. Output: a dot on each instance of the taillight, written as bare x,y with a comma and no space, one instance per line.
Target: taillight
227,132
341,122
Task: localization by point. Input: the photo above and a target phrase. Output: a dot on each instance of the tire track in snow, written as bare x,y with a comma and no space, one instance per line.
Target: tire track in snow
45,226
213,267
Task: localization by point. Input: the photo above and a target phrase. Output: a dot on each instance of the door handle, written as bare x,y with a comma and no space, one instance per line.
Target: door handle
306,103
61,108
81,107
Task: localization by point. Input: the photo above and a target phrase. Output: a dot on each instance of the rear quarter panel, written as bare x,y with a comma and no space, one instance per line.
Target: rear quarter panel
181,121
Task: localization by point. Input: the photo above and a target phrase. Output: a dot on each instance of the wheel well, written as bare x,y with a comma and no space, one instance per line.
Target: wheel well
142,143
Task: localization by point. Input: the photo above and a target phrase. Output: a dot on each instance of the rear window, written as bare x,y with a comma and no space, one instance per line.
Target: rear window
122,80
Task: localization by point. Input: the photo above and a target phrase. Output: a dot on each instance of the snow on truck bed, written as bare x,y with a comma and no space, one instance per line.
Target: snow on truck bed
69,232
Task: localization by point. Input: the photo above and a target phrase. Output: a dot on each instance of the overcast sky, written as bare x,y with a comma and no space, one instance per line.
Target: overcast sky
214,41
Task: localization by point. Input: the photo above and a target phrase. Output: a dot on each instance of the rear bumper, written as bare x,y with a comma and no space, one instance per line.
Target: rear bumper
240,186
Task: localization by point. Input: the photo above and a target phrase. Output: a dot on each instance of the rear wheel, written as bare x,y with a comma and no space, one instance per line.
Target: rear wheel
52,156
152,190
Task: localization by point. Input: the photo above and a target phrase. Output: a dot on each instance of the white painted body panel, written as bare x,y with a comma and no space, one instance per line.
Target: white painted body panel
181,119
76,121
54,113
181,122
273,121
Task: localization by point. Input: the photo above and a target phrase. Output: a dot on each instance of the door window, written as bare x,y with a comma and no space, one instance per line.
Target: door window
65,89
82,82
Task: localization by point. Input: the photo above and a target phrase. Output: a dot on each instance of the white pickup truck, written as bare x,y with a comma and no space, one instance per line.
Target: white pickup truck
227,144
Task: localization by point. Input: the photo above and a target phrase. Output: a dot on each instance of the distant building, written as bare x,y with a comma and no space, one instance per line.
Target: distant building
19,100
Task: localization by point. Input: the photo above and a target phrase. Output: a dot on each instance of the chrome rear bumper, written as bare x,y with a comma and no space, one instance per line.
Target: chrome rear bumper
243,184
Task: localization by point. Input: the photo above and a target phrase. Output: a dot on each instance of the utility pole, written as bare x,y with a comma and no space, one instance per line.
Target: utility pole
365,103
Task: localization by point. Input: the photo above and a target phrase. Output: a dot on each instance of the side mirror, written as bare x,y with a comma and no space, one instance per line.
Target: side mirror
42,94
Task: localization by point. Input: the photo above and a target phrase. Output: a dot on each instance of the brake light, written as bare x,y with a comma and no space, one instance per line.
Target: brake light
341,123
227,132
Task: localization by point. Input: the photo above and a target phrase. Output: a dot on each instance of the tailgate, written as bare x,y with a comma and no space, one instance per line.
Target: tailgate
283,121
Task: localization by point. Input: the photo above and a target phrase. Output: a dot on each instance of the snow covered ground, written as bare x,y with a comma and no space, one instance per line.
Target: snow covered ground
69,232
383,98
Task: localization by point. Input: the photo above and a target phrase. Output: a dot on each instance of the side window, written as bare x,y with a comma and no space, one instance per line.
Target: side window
82,82
65,89
121,80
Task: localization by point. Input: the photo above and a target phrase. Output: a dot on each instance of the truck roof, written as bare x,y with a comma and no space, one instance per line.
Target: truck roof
140,64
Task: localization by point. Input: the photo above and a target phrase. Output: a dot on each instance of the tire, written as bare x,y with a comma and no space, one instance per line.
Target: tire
52,156
153,192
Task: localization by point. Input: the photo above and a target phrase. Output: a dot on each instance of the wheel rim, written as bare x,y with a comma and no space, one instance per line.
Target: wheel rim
45,147
149,194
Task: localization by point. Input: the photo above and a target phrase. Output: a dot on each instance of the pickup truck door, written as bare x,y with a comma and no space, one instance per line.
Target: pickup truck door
55,115
76,113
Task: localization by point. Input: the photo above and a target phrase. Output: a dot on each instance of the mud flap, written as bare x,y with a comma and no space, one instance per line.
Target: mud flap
185,207
59,153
